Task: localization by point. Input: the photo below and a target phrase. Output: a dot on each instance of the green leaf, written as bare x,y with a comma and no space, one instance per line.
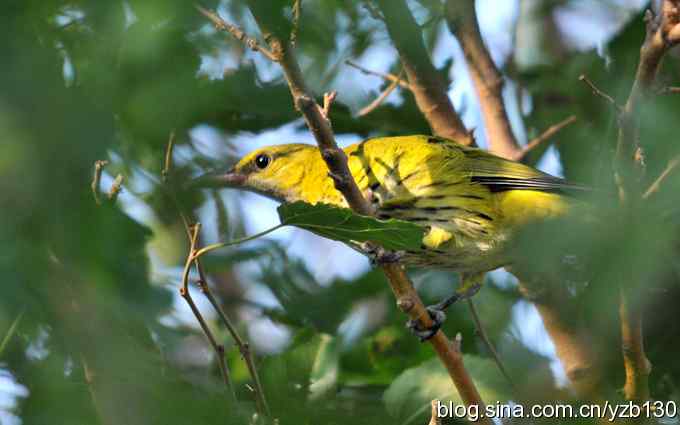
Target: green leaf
410,395
341,224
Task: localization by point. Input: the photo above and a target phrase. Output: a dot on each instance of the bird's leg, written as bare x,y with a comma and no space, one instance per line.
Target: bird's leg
470,285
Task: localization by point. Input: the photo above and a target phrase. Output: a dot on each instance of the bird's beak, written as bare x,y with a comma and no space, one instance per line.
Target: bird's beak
215,180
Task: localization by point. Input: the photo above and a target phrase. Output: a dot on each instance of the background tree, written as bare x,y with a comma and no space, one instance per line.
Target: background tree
92,326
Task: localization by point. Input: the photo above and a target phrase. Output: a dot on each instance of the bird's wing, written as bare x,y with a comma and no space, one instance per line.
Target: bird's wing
500,175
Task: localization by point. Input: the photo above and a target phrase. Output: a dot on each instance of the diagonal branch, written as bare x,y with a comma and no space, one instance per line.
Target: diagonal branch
427,85
488,81
336,160
384,76
654,187
544,137
221,25
380,99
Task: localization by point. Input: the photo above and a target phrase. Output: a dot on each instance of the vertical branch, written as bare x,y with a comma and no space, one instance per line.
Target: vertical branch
636,364
662,32
427,85
488,81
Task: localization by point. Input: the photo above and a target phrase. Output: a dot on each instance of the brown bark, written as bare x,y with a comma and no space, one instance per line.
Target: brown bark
427,86
488,81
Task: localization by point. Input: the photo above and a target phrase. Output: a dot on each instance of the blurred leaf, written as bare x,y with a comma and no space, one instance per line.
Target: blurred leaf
324,376
307,303
341,224
10,333
409,396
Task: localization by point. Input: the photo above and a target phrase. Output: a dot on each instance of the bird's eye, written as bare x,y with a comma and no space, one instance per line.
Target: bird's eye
262,161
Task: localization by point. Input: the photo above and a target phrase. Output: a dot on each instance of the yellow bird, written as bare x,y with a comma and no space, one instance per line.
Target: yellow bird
469,201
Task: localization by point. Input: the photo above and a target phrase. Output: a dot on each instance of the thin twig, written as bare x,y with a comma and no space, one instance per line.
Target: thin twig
380,99
194,256
243,346
669,90
96,179
383,75
11,331
184,292
167,164
328,99
654,187
434,413
116,188
237,33
596,91
545,136
297,9
487,342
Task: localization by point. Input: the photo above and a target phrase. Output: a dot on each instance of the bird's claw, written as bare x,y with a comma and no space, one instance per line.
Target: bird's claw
378,255
438,317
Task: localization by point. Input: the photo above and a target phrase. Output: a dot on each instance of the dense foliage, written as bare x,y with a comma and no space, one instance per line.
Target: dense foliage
92,329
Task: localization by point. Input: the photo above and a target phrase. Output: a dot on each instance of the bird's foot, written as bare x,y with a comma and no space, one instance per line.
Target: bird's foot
438,317
378,255
437,314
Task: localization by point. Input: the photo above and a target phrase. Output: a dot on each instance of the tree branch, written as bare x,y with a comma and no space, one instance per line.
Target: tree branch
96,179
427,86
380,99
184,292
597,92
654,187
193,234
662,32
488,81
384,76
544,137
336,160
238,33
635,362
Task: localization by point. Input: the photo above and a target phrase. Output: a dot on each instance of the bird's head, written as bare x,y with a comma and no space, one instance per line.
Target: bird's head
283,172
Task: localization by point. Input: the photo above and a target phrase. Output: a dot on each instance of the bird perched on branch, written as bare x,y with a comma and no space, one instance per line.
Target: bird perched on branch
469,202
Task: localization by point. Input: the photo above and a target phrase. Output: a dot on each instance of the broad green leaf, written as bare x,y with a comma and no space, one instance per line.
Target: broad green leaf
410,395
341,224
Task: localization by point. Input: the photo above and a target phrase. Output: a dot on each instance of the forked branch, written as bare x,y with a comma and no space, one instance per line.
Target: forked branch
662,33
